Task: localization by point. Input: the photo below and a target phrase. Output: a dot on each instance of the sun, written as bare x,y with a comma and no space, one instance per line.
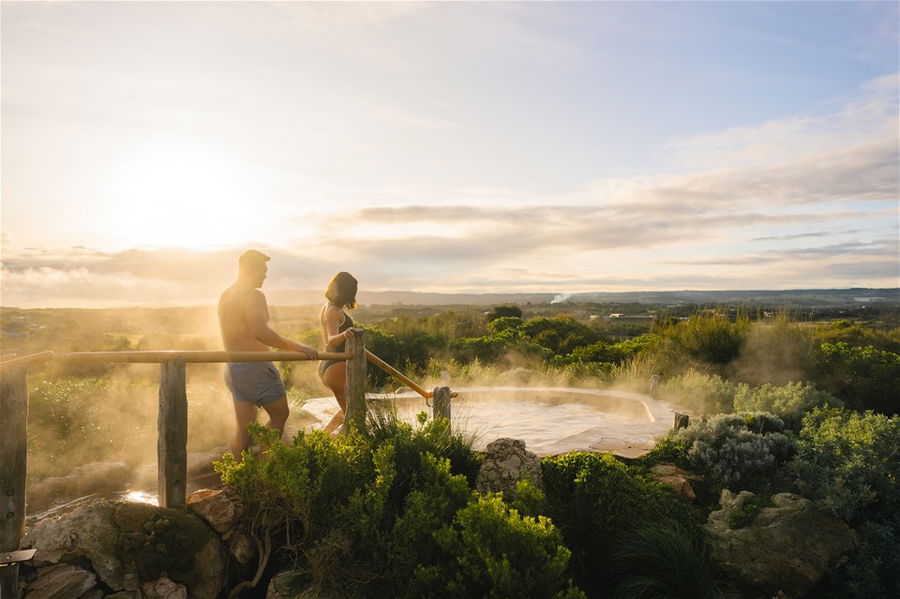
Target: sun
181,194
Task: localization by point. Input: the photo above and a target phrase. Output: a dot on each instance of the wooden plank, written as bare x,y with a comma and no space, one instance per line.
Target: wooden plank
441,403
397,374
14,557
356,384
171,447
13,468
199,356
12,363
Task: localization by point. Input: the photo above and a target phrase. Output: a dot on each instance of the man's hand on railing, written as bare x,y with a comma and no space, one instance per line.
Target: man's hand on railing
312,352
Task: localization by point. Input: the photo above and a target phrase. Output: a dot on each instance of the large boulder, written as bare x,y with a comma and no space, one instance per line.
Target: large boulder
506,462
130,544
787,547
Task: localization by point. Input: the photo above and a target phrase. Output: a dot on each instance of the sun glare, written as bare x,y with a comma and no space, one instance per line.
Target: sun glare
181,195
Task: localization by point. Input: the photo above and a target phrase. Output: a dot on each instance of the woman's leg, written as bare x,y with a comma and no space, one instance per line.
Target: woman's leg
336,379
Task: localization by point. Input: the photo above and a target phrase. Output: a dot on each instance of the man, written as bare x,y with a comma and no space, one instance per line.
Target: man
243,320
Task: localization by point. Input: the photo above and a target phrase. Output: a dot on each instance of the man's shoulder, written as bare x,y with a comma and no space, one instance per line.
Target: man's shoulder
241,295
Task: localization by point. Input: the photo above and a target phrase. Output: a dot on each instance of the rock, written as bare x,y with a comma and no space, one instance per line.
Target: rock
294,584
125,595
94,593
287,584
788,547
506,462
241,547
217,507
163,588
94,477
676,479
61,581
129,544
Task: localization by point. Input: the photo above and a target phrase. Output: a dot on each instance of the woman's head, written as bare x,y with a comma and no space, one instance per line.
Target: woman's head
341,290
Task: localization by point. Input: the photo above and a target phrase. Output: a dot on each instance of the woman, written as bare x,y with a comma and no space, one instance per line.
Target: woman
337,327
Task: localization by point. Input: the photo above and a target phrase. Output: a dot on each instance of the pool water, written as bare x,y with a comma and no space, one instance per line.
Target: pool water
550,420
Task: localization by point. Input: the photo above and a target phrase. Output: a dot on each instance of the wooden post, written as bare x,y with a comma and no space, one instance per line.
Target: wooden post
355,392
681,421
441,406
171,446
655,381
13,464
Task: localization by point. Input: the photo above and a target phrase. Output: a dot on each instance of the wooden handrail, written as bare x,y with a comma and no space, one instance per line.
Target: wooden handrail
26,360
400,376
199,356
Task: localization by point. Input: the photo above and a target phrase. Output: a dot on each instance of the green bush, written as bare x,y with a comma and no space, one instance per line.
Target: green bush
854,333
789,402
707,339
741,451
597,502
701,393
489,550
664,561
864,377
849,463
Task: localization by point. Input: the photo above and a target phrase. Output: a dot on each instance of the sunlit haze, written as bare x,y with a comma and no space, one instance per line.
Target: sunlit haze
452,147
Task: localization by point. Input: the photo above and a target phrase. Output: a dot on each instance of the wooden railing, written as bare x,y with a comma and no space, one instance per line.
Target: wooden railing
171,422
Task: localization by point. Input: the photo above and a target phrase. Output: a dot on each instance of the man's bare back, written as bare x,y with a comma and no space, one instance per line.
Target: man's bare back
236,304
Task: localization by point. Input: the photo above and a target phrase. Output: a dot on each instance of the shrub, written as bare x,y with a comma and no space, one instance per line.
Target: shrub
491,551
670,561
738,450
789,402
849,463
597,501
864,377
702,393
708,339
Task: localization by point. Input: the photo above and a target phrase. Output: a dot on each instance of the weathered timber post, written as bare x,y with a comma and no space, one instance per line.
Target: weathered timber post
13,456
171,445
681,421
655,381
441,405
355,391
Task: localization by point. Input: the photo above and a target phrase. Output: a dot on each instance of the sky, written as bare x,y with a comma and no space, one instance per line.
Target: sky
453,147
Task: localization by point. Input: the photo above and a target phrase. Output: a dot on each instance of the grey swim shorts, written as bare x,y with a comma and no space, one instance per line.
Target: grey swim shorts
254,382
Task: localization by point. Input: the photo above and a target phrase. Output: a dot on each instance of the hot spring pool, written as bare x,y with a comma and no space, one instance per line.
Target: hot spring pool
550,420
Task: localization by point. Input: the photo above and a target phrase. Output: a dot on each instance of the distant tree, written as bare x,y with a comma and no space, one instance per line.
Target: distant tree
506,310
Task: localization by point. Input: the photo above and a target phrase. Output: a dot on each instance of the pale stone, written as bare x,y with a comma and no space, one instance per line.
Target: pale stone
507,462
163,588
219,509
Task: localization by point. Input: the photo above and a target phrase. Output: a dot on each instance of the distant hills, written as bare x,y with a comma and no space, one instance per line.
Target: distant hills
791,297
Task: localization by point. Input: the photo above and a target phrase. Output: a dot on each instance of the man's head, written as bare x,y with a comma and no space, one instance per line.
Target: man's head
253,267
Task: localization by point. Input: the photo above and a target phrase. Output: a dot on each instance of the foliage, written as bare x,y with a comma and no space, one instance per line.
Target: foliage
76,420
596,502
789,402
702,393
864,377
384,515
849,462
664,562
737,450
704,338
505,311
489,550
857,334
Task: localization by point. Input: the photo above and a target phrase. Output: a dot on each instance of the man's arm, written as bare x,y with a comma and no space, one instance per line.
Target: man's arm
255,313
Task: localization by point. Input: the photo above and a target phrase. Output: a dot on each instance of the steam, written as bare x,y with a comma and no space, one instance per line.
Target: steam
560,298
